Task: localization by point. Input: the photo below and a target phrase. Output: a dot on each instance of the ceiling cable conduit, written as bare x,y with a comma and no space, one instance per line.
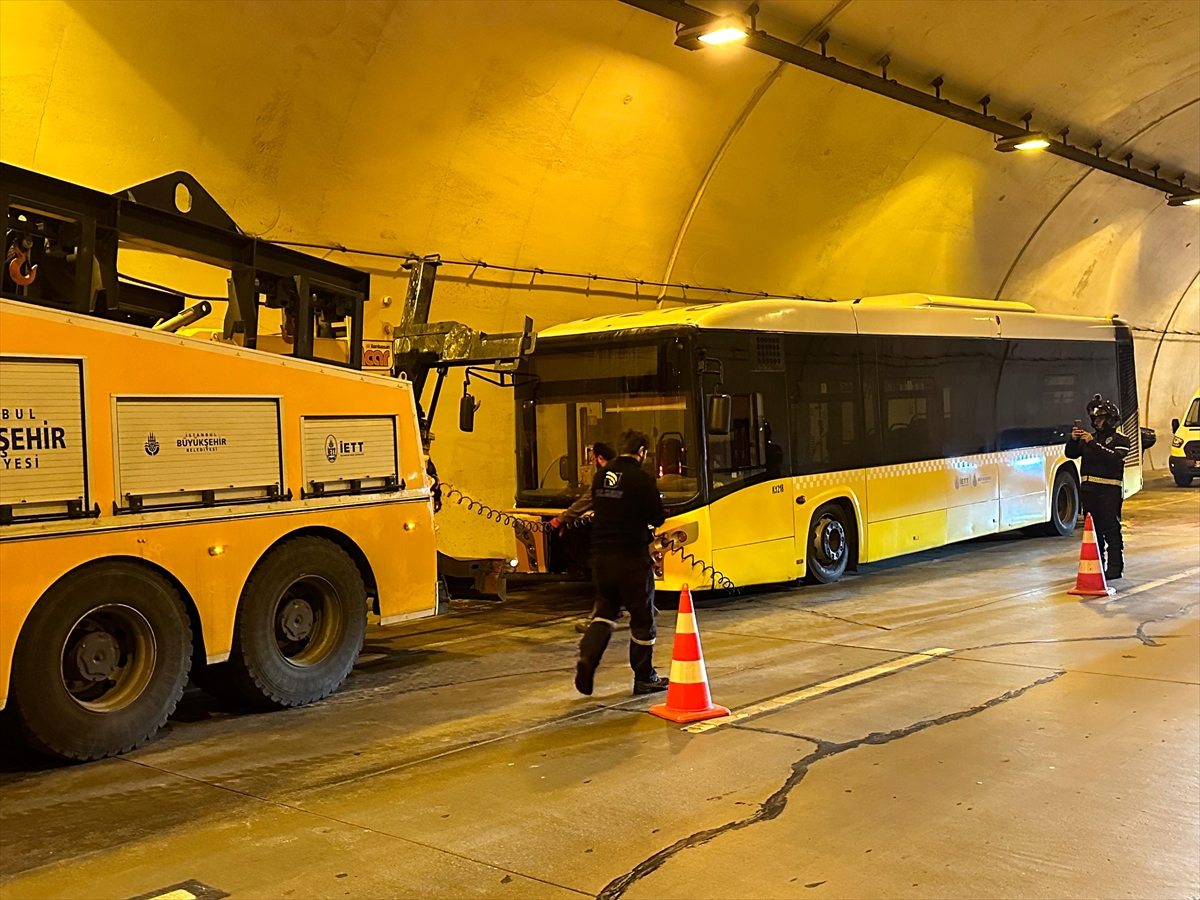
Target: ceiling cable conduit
1009,135
535,271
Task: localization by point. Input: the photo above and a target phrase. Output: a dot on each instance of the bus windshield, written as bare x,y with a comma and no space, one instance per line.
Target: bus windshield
587,391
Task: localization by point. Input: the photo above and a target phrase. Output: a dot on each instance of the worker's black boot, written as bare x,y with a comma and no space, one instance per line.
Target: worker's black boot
584,675
651,685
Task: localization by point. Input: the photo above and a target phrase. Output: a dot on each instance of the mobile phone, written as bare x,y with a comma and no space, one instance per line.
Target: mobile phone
1079,423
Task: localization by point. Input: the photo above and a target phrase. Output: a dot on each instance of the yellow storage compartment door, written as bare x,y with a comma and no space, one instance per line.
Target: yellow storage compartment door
43,454
349,454
196,451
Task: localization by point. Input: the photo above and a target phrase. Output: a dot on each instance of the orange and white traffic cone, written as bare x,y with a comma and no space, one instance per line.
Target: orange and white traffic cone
688,699
1090,580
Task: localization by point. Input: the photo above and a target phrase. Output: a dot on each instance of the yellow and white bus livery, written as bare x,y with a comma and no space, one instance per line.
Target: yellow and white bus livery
796,439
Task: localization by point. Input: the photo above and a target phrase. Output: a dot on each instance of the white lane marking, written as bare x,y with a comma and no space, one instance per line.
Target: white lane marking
817,690
1150,585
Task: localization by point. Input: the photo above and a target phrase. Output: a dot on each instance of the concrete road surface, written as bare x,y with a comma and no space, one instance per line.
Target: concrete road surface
952,724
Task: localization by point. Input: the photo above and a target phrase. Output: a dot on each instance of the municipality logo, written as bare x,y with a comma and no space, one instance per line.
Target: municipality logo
612,479
152,445
331,448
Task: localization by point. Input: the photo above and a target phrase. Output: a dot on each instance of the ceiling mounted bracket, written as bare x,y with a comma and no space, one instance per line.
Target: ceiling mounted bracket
688,16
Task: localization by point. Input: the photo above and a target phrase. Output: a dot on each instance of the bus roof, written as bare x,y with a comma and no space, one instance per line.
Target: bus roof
920,314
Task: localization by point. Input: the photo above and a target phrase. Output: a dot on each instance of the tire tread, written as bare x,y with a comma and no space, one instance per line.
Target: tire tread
241,676
48,746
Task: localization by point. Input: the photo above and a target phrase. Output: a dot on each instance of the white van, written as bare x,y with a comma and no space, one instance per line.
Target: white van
1185,444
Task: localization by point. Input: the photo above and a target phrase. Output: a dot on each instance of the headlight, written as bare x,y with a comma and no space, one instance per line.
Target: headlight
1176,442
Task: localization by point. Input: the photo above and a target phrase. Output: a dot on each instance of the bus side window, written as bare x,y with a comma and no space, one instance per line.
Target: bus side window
911,398
968,374
826,403
1044,386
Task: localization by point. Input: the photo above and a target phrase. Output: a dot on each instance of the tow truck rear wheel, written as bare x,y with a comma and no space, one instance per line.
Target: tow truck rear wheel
101,662
300,625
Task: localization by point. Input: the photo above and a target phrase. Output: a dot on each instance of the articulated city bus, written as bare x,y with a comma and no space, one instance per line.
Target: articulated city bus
797,439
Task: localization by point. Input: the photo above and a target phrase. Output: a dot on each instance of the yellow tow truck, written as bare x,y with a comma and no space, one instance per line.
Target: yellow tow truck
171,505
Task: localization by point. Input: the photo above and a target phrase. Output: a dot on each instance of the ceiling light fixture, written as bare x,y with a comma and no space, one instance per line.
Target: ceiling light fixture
1035,140
1192,199
724,30
691,22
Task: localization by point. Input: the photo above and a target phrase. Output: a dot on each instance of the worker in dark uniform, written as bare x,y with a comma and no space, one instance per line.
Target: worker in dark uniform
626,508
1102,475
602,454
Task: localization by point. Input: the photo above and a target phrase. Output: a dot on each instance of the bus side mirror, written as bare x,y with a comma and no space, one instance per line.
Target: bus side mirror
719,414
1174,425
466,412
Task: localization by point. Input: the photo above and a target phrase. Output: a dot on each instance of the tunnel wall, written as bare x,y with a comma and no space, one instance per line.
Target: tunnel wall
574,136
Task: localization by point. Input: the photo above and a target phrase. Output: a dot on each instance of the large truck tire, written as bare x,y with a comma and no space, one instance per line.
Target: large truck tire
101,661
1064,507
300,625
828,545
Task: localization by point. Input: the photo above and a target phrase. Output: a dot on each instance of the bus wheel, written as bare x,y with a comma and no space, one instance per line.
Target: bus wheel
1064,507
101,662
828,545
300,624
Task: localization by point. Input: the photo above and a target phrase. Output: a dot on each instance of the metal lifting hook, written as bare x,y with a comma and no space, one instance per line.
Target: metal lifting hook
18,259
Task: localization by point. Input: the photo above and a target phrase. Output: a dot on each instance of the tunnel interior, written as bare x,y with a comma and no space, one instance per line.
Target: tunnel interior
578,138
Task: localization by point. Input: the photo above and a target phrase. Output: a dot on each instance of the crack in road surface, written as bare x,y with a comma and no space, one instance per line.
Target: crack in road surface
773,806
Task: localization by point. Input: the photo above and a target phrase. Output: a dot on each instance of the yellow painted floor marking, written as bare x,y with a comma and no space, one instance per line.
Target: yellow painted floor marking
184,890
1150,585
817,690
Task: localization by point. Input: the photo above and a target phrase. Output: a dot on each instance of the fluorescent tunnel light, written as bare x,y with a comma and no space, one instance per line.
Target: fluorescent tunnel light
1034,140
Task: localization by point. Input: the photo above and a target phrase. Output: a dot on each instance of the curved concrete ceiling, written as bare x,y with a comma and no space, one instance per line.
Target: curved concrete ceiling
575,136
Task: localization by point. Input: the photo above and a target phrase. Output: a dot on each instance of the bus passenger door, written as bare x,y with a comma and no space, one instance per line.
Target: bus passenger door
751,511
833,431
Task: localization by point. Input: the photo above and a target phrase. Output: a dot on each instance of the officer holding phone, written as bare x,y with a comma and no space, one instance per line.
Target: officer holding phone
1102,478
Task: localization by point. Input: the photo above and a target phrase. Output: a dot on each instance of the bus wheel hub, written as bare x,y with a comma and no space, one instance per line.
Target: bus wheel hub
296,620
831,539
97,656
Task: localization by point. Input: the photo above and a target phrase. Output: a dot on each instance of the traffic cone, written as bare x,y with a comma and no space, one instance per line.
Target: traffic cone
688,699
1090,580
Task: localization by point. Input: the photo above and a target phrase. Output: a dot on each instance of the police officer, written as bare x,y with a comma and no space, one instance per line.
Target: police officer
626,509
1102,471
